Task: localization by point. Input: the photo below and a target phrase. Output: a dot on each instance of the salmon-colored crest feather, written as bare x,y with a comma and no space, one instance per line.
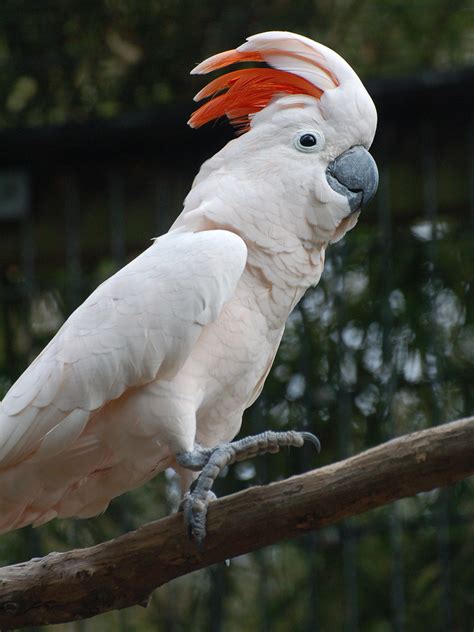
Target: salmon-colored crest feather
245,92
225,59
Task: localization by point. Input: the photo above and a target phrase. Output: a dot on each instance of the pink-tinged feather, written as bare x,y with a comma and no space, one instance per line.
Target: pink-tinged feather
245,92
225,59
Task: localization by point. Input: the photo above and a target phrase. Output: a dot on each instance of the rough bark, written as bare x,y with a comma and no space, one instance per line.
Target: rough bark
122,572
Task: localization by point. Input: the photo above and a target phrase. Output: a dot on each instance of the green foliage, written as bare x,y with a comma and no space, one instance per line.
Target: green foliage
64,61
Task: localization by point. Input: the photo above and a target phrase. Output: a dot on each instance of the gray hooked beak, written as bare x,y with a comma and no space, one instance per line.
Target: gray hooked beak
354,174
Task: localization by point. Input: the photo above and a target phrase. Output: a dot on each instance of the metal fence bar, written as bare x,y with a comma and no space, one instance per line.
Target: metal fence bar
72,216
388,386
469,395
8,297
264,619
116,216
32,538
310,541
344,418
313,616
28,257
470,177
430,207
162,201
397,589
217,592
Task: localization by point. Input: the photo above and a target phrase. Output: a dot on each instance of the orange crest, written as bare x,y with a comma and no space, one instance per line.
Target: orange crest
241,93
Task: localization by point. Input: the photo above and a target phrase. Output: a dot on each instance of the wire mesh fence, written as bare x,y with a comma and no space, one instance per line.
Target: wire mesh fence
384,345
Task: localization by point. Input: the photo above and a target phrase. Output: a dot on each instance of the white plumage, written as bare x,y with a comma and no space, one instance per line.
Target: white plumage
169,352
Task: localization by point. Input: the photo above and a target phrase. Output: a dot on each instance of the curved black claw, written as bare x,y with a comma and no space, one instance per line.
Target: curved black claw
309,436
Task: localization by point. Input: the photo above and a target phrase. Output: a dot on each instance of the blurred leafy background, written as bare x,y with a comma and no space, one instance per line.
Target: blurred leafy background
70,60
96,159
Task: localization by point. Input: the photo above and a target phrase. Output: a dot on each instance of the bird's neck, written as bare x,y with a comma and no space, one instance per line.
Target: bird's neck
280,266
279,280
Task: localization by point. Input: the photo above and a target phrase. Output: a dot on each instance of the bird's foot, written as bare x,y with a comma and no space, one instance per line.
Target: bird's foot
211,461
195,511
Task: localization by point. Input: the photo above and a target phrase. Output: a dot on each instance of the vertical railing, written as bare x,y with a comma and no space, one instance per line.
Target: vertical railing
32,538
116,203
72,222
344,441
387,388
72,292
434,370
310,541
162,201
469,395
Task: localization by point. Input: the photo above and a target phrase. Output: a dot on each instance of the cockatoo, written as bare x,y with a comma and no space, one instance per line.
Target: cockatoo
156,367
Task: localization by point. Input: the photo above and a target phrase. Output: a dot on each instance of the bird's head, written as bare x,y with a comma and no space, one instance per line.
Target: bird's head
306,123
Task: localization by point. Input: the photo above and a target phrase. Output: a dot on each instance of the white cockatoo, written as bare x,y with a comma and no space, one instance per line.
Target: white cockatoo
157,366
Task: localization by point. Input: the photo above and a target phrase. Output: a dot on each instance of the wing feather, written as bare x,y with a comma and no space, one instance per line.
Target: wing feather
143,320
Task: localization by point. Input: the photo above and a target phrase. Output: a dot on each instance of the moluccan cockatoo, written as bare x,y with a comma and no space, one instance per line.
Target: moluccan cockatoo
157,366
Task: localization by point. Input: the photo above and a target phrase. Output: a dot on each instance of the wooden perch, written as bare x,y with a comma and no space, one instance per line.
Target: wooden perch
123,572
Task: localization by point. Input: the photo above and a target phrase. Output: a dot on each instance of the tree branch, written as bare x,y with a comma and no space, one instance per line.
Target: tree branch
123,572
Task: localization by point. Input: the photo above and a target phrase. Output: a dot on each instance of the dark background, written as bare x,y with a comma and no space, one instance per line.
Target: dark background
96,158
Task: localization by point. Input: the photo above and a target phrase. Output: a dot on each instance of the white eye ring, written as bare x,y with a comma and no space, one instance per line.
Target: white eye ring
309,141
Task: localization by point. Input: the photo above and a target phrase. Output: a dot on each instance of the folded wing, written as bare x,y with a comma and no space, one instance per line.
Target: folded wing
140,324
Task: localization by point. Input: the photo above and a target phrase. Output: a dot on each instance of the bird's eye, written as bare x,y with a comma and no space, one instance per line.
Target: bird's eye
309,141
